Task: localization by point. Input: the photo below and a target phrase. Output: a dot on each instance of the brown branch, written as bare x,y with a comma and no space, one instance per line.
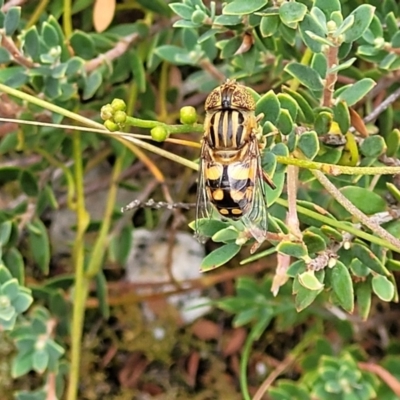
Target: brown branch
122,47
383,374
18,57
331,77
12,3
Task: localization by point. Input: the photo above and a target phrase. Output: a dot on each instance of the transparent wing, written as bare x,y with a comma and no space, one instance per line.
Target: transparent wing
203,206
254,205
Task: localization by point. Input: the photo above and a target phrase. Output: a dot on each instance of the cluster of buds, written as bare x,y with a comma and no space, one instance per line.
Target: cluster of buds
114,115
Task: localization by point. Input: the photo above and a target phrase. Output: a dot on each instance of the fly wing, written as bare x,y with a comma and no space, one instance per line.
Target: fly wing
253,204
203,205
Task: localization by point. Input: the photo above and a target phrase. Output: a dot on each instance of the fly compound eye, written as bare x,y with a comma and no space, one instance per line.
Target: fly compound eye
242,99
213,100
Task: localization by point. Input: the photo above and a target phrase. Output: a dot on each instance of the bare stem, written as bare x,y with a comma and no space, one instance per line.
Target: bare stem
331,77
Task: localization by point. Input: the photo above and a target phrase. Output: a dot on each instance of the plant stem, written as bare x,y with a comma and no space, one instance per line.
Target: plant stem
37,13
67,18
337,169
353,210
81,284
100,246
331,77
244,360
149,124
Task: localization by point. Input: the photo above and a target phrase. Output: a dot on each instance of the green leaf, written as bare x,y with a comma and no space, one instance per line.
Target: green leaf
373,146
311,24
314,242
83,45
303,104
173,54
209,227
23,300
285,123
40,360
269,105
15,264
291,13
309,144
228,20
10,289
240,7
31,43
21,364
219,257
289,104
139,73
11,21
362,18
269,25
383,288
310,281
369,259
5,232
354,93
92,83
102,294
183,10
341,115
328,7
50,35
364,199
342,286
29,183
305,75
304,297
393,142
39,244
323,122
157,6
363,295
297,250
342,66
225,235
320,64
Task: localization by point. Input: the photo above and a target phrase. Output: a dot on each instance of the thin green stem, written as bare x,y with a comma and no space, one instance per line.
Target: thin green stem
81,284
244,361
67,18
149,124
332,169
100,246
37,13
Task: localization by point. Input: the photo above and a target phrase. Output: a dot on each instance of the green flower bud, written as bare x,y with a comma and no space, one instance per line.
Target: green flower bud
118,105
198,17
188,115
159,133
120,117
106,112
111,125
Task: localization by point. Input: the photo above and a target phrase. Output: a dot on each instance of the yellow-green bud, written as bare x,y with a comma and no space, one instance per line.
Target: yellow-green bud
111,125
120,117
159,133
106,112
188,115
118,105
